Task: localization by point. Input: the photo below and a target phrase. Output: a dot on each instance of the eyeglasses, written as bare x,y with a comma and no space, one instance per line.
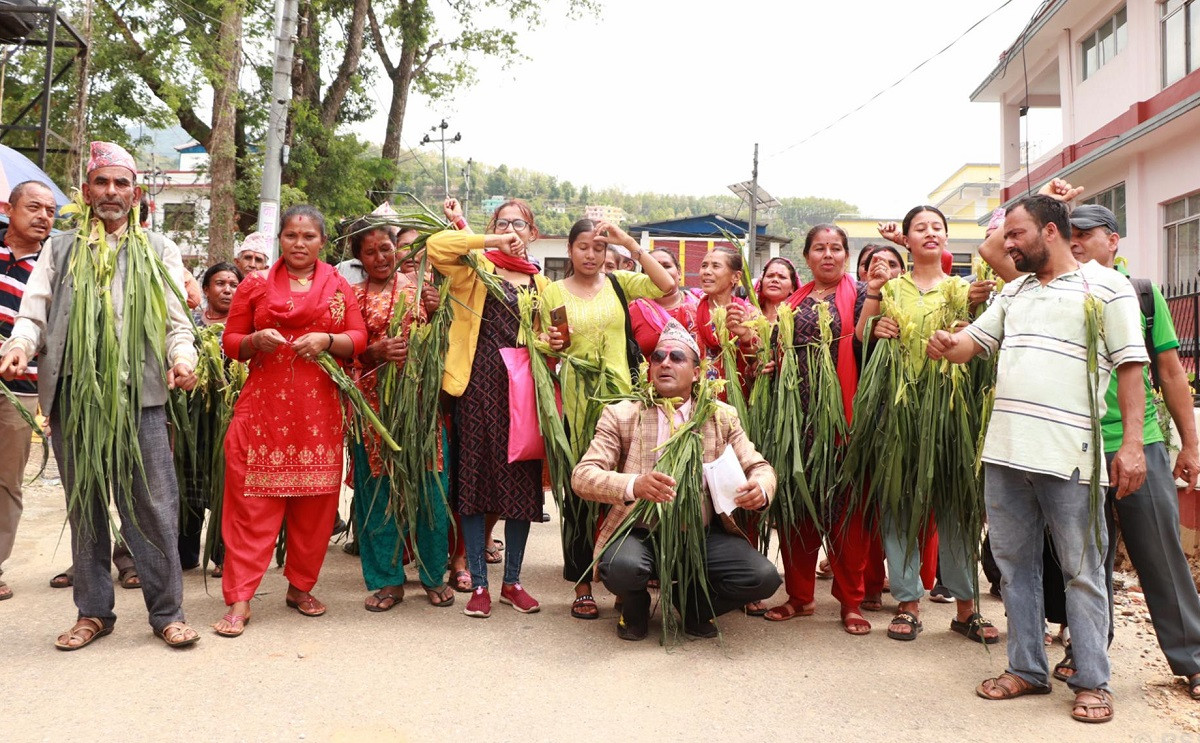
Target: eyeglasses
517,224
676,356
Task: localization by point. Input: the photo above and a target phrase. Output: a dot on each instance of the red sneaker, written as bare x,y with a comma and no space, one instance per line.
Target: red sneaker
516,597
480,604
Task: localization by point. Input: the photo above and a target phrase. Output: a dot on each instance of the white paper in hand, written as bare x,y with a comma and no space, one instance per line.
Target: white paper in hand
723,476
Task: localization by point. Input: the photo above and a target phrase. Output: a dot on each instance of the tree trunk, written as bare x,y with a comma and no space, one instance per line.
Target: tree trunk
336,94
401,85
222,149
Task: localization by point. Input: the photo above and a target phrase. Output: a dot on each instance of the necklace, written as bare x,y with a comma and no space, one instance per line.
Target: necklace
211,318
302,281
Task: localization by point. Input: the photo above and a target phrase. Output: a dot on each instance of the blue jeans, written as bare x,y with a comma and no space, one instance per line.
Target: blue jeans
956,570
1020,506
516,533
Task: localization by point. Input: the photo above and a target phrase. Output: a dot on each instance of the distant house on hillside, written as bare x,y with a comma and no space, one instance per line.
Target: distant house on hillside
604,213
491,204
689,238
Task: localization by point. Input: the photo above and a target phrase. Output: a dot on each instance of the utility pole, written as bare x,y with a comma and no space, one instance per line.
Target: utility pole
752,233
467,186
281,93
443,140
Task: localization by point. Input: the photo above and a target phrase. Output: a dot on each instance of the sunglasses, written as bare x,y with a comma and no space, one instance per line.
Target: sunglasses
677,357
517,224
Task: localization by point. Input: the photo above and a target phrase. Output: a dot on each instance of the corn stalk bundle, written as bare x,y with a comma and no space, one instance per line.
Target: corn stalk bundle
31,421
677,530
759,407
560,457
410,406
1093,316
784,447
360,412
103,368
235,373
915,431
593,385
196,418
729,354
825,426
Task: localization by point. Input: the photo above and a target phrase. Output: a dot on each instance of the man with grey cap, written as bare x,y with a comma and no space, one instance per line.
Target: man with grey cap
618,469
1149,516
252,254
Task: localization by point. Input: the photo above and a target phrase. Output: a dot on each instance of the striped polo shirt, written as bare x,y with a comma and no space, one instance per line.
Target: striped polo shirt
1042,420
14,274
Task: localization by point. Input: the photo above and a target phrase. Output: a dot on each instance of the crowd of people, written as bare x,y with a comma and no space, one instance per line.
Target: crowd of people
642,363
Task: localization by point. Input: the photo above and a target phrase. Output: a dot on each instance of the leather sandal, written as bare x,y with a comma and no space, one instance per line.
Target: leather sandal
1008,686
128,578
789,610
86,630
1093,699
178,635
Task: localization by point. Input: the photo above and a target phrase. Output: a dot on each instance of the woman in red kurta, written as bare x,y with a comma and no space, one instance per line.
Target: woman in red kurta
283,451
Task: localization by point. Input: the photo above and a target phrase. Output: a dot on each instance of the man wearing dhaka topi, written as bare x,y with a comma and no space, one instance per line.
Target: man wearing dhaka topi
618,469
102,298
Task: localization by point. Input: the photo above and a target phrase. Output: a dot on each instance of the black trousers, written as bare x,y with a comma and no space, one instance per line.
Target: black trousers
737,573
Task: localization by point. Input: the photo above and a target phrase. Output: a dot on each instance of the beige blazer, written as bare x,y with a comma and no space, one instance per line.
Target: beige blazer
623,448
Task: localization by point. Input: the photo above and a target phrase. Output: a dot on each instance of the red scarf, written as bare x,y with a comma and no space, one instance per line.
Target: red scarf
301,311
847,366
510,262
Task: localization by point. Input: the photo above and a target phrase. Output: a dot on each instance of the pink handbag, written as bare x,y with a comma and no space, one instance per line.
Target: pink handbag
524,434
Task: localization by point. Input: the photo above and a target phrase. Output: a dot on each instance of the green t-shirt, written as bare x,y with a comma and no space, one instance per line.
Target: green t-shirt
1164,339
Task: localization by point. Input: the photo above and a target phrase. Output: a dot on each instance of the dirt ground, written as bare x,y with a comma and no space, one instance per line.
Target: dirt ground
419,673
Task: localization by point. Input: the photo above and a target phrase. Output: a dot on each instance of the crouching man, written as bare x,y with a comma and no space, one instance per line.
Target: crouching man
618,469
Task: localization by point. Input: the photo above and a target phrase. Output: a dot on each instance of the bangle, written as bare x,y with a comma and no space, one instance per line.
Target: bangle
876,297
460,223
330,346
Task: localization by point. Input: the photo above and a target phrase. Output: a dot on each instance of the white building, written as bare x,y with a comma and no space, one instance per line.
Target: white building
179,199
1123,78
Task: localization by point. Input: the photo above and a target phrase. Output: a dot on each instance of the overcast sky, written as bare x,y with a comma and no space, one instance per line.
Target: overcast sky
655,95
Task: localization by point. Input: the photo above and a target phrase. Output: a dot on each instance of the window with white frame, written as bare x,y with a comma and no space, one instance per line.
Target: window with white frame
1180,20
1182,221
1112,199
1106,42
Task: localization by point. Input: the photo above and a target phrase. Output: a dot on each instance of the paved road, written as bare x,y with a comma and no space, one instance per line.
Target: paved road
418,673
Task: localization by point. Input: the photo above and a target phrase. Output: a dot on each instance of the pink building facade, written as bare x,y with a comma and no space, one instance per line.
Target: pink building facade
1125,78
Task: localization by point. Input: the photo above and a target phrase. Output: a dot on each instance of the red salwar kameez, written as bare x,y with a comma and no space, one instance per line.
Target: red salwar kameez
283,451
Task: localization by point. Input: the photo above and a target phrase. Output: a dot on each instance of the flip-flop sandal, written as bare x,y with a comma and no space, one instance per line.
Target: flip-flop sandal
759,609
462,582
491,555
91,625
62,580
972,629
233,619
380,598
1010,686
1194,686
178,635
443,593
1064,665
583,602
308,606
1106,702
909,619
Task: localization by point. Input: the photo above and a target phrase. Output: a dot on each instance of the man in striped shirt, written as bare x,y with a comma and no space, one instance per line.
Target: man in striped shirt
1042,440
30,209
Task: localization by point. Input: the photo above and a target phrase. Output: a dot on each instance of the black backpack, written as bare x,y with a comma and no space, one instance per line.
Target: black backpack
1145,295
633,353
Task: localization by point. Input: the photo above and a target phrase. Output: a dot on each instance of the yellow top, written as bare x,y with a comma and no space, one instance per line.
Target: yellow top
445,250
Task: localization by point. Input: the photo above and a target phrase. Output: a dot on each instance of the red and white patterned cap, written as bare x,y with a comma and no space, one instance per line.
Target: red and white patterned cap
256,242
676,334
106,154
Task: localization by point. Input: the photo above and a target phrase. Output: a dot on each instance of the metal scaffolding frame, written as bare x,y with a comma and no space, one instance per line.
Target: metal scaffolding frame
50,30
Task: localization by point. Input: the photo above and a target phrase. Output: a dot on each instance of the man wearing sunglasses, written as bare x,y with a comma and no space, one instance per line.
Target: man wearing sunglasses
618,469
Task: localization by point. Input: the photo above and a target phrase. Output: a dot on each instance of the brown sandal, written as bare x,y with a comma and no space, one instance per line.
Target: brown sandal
129,578
384,600
86,631
789,610
233,620
1105,702
179,635
441,597
1009,686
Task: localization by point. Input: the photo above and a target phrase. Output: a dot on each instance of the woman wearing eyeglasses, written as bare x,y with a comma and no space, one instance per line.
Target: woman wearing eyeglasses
485,484
596,305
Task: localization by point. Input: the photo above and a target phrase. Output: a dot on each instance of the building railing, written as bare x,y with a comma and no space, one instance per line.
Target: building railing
1183,300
